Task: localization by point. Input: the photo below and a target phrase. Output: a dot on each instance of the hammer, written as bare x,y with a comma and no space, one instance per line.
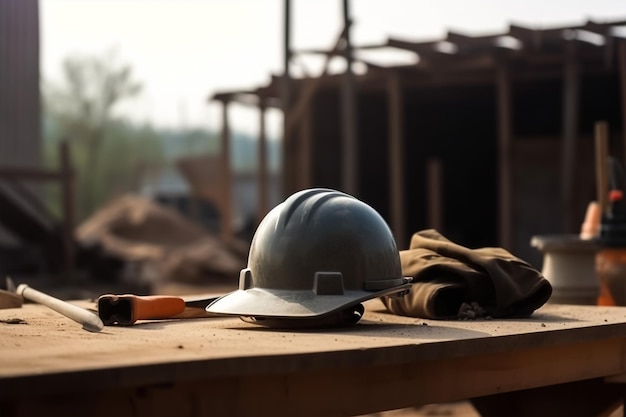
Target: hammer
89,320
8,298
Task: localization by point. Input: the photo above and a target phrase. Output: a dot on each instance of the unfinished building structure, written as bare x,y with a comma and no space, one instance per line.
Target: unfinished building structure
487,138
28,231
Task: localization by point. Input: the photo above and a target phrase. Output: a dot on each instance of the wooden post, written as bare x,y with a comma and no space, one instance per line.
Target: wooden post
287,42
227,203
601,139
68,187
505,139
622,81
396,158
434,189
306,146
350,154
568,144
286,101
262,158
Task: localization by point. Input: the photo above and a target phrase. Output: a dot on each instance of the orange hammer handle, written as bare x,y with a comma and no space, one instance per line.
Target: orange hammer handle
128,308
157,306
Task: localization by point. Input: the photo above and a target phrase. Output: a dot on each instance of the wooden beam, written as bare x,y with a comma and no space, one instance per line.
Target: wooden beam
350,148
459,38
417,47
396,158
287,40
30,174
227,205
286,96
571,87
434,190
68,190
505,139
601,139
263,166
306,147
622,88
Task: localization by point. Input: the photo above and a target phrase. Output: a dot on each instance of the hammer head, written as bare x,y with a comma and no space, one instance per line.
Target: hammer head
9,298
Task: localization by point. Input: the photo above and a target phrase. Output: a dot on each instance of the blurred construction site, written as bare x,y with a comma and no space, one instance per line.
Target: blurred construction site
487,138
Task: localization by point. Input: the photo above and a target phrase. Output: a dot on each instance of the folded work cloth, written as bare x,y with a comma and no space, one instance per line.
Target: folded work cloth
451,281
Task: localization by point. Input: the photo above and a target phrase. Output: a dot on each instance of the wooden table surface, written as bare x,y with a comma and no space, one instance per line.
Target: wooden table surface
224,366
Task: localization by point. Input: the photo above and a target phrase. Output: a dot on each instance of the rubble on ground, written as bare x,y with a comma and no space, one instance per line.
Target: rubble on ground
157,243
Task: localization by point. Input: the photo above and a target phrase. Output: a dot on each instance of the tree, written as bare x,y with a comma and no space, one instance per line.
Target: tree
82,106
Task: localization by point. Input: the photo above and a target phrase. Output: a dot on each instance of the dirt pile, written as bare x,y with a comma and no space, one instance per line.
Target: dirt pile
158,244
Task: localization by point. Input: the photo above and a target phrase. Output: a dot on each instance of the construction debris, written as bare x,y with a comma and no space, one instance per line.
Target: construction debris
158,244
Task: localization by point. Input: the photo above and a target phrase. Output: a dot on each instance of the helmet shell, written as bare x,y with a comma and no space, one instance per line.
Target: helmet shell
319,251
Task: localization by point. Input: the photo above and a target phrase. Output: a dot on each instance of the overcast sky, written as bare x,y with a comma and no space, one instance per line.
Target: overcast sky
184,50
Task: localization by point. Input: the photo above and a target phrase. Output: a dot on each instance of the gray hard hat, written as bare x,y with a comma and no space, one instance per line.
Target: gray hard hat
317,253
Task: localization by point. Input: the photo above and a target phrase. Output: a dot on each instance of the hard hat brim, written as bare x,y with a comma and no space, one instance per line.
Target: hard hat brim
291,304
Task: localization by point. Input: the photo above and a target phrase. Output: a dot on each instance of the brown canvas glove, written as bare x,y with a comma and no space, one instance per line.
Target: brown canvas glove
447,275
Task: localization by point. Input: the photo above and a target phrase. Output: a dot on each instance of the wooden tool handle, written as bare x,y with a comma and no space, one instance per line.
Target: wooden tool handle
89,320
156,306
